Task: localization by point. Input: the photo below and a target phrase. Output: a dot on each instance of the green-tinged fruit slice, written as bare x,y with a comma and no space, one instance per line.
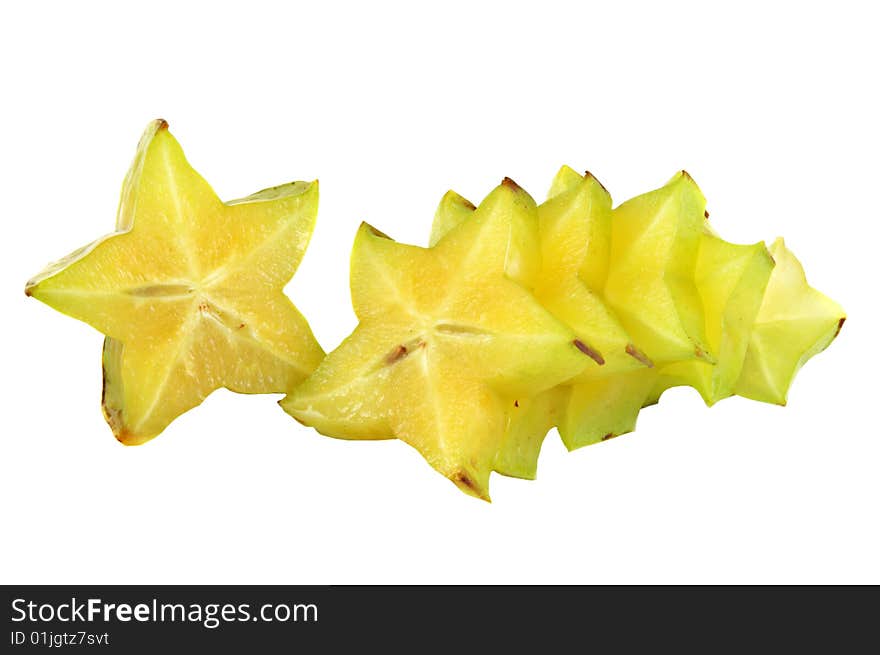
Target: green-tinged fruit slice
600,409
529,419
445,336
189,291
794,323
731,280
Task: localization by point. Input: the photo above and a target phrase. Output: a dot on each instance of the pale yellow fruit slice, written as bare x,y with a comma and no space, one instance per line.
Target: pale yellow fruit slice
445,336
731,280
189,291
529,419
795,322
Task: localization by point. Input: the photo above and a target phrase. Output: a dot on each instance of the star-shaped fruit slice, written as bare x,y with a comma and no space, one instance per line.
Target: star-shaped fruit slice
795,322
188,291
445,337
731,280
575,237
640,261
650,282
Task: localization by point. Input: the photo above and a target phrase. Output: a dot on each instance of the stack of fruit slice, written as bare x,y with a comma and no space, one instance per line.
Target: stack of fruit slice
519,318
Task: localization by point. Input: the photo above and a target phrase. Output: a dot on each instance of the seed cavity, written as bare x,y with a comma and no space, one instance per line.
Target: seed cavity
637,354
396,355
228,320
593,354
402,350
455,329
160,291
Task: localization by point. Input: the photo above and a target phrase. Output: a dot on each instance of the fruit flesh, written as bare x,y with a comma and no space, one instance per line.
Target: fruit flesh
650,282
515,319
188,291
705,328
795,322
574,240
528,420
576,233
598,410
445,337
731,280
575,237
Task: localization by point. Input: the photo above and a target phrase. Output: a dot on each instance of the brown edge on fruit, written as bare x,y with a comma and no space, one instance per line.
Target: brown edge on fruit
376,232
608,436
467,203
163,124
592,353
687,175
463,480
588,175
840,326
510,184
396,355
706,214
113,415
125,438
637,354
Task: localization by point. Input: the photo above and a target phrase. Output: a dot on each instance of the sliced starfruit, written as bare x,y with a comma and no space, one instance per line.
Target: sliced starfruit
446,336
188,291
795,322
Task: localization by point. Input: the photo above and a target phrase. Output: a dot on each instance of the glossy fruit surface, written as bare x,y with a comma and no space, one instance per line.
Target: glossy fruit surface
188,291
446,339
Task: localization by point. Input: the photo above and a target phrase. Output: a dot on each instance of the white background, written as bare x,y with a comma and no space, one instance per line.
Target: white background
771,107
